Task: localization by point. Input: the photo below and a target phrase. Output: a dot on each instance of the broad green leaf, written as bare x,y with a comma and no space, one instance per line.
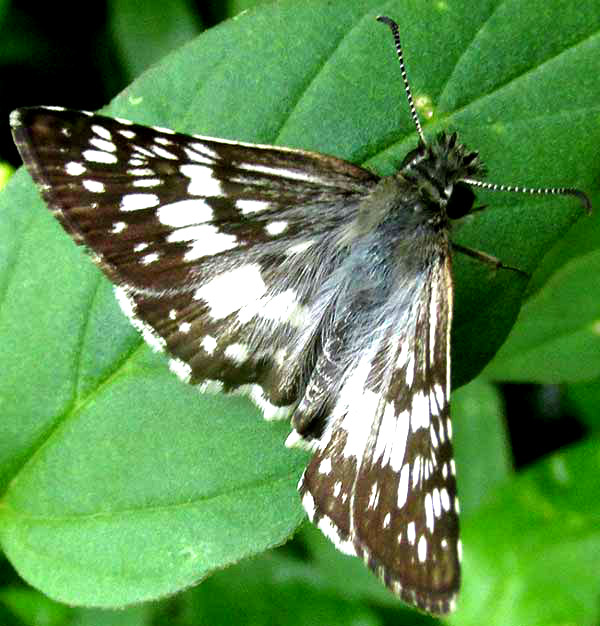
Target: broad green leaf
32,608
274,589
233,7
531,554
584,398
483,458
582,238
557,337
141,615
146,31
119,483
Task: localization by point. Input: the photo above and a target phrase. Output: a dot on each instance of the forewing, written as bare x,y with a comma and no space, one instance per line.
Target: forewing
382,483
207,240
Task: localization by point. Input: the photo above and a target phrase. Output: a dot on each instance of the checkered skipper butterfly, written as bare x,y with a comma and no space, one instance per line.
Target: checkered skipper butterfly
319,288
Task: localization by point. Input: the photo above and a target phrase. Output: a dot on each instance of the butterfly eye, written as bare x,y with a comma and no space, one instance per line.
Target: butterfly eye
460,202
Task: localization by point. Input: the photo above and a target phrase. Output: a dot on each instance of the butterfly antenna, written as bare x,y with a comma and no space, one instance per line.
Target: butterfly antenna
413,111
540,191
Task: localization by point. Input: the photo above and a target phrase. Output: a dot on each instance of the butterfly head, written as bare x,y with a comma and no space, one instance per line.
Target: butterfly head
438,171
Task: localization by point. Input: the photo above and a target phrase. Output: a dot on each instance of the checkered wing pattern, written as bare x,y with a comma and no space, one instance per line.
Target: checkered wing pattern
381,484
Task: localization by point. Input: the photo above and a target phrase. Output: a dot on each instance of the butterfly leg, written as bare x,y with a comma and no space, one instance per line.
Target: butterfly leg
488,258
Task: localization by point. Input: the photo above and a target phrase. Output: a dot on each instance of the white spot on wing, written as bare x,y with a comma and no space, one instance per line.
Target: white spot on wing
437,502
128,306
206,240
422,549
416,471
101,131
403,485
391,438
411,533
357,428
429,516
325,466
373,496
209,344
181,369
146,182
139,201
75,169
356,401
152,257
440,397
279,172
200,154
204,149
102,144
94,186
202,182
237,352
163,130
247,207
328,528
162,153
308,503
184,213
141,171
230,291
270,411
419,415
283,308
276,228
97,156
434,439
410,371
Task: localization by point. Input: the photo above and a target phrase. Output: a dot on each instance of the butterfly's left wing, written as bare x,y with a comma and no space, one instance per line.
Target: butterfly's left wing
216,247
381,484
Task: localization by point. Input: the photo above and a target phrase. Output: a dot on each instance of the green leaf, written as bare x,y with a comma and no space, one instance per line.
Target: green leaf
119,484
146,31
584,398
6,171
482,449
273,589
234,7
347,579
131,616
32,608
531,555
557,337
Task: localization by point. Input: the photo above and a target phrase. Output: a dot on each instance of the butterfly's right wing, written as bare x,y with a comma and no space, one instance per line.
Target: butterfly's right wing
381,484
216,248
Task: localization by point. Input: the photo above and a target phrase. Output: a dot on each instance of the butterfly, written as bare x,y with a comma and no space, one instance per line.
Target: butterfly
317,287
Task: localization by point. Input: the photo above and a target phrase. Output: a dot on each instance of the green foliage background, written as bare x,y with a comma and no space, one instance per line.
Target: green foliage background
120,486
